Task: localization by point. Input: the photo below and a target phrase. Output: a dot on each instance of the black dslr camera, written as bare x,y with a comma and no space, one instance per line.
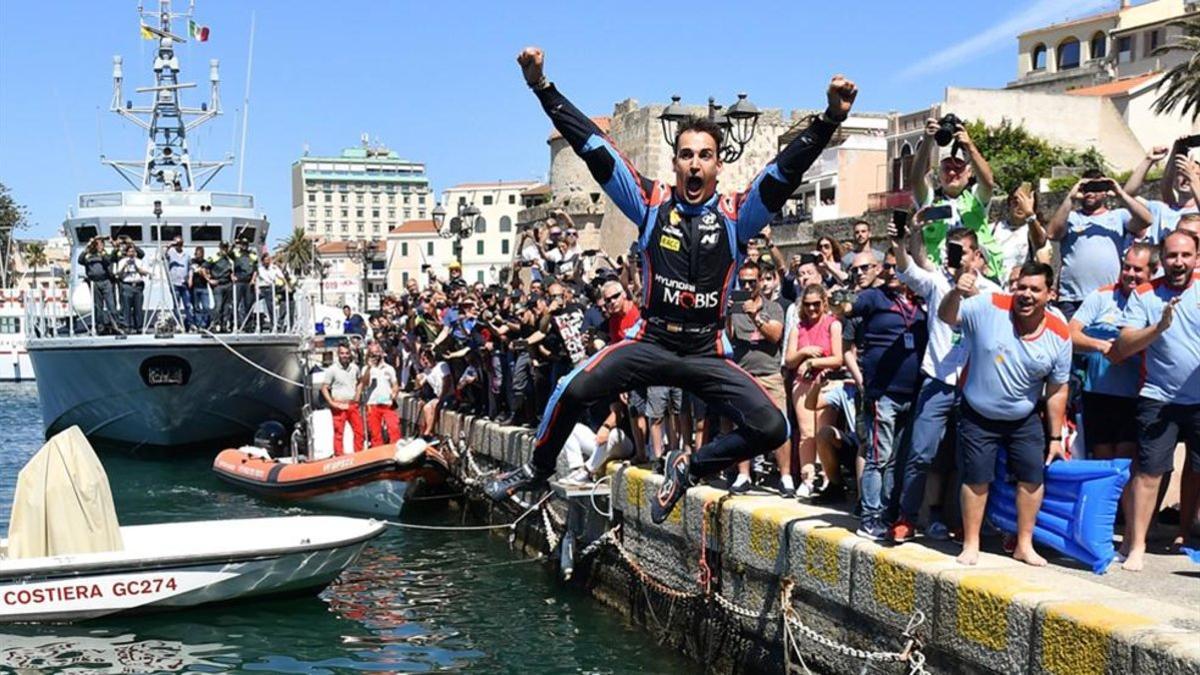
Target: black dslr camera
947,126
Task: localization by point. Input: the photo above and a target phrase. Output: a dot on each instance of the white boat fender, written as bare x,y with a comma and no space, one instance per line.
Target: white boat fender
411,450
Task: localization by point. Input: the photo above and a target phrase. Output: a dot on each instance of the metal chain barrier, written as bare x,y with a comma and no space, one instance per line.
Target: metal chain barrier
793,624
911,653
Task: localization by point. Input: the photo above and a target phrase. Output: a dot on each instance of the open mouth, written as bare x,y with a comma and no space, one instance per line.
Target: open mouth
693,187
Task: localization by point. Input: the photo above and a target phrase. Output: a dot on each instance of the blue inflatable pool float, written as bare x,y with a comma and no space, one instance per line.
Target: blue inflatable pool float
1078,512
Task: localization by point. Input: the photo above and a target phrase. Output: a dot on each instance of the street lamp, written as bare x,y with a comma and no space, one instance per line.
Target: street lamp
738,123
363,252
459,227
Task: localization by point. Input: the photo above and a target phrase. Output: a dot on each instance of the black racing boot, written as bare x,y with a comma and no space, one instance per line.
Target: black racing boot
508,483
676,481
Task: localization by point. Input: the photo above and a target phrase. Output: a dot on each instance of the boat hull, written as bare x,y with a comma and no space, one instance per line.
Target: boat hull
186,390
67,588
370,482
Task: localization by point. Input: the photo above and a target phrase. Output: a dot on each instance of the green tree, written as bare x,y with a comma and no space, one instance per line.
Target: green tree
296,253
1180,88
34,254
1017,156
12,218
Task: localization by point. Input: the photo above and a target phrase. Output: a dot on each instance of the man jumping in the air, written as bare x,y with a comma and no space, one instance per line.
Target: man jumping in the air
692,241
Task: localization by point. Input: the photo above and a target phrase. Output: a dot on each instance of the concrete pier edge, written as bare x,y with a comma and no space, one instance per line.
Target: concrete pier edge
999,616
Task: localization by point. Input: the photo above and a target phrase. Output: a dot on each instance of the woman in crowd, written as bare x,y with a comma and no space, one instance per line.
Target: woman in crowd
829,262
815,345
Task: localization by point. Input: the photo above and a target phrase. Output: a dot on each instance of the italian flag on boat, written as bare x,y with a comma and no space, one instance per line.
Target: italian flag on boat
197,32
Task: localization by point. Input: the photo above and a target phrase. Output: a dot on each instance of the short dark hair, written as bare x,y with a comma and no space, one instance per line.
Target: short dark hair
860,222
699,125
963,233
1092,174
749,264
1034,268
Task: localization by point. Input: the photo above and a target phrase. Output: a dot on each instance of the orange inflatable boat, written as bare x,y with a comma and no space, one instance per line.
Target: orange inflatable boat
374,482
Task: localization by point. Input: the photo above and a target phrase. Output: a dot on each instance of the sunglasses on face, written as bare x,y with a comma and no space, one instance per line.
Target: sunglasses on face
556,296
889,266
612,298
861,268
815,305
748,282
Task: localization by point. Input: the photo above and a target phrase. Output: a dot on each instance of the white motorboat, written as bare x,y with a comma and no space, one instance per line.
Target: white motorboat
177,565
66,558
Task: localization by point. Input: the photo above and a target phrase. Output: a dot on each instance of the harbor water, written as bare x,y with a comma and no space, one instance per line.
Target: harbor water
416,601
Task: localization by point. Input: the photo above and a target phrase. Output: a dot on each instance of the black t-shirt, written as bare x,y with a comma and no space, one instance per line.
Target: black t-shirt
565,340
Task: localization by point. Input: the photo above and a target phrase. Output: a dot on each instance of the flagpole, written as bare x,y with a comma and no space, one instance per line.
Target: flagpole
246,107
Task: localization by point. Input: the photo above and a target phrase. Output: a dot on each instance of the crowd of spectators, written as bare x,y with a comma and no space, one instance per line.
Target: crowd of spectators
908,365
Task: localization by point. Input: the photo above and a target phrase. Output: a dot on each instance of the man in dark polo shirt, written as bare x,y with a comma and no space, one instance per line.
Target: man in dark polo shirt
890,340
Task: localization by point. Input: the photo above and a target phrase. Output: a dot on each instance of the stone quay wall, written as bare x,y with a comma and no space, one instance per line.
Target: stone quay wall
997,617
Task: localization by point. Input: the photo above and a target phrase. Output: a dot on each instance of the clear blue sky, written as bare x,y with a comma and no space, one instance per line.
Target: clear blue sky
436,81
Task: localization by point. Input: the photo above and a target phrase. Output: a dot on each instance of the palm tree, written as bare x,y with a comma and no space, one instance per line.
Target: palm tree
296,253
35,257
1181,85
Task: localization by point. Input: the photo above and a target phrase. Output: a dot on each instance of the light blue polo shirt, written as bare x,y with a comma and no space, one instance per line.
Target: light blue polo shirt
1005,374
1091,252
1100,316
1171,364
1165,220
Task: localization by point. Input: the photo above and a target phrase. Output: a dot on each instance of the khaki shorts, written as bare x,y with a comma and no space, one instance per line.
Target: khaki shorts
775,389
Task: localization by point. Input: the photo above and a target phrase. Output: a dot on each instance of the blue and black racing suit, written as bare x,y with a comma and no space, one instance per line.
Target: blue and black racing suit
690,253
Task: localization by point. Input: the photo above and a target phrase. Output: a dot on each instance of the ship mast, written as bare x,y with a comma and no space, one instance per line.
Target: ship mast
167,165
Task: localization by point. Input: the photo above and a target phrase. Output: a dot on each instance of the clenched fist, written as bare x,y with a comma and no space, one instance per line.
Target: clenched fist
531,60
840,96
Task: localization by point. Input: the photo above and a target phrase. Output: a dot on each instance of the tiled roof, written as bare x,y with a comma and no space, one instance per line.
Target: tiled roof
603,122
1114,88
333,248
415,227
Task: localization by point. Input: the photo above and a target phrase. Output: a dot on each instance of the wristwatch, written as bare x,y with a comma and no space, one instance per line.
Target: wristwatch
1056,438
759,321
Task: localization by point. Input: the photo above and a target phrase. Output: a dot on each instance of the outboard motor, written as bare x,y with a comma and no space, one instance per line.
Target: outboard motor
272,437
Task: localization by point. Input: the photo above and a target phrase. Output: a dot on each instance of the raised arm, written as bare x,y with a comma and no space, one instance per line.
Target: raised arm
979,164
1056,229
964,287
755,207
922,160
1140,216
1138,176
632,193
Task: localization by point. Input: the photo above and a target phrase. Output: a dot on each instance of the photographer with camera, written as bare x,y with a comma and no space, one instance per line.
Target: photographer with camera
1091,236
964,188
